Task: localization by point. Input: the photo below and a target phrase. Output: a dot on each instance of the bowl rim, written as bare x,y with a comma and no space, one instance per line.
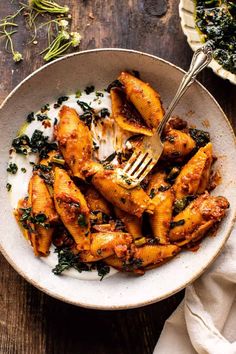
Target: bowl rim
214,65
53,293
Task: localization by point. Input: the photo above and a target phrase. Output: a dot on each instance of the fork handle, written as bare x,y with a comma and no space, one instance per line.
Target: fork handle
201,58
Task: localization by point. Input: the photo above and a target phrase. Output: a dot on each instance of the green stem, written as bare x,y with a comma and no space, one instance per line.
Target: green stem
8,24
49,6
56,53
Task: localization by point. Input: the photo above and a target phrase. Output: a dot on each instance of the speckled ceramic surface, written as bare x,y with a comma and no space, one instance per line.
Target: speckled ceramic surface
186,12
100,67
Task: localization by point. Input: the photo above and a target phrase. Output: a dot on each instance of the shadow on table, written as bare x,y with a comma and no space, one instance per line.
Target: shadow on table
69,329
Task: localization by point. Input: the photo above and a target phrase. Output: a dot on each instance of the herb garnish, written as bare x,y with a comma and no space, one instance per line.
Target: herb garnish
12,168
82,220
78,94
163,188
200,136
67,260
217,22
44,168
108,167
127,180
38,219
8,187
87,118
21,144
181,204
26,214
85,107
172,175
89,89
99,94
152,193
37,144
177,223
132,264
105,113
103,269
98,217
44,171
60,101
23,170
153,241
41,117
30,117
170,138
45,108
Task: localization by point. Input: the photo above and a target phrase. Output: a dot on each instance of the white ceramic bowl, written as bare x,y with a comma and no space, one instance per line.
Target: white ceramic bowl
186,13
100,67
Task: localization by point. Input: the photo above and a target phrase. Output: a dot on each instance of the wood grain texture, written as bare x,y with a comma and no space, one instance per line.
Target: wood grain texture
30,321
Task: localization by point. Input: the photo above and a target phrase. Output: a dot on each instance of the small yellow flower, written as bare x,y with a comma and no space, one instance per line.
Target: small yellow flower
63,24
75,39
64,35
17,56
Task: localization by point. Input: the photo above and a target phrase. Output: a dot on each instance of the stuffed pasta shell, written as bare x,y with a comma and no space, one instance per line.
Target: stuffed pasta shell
143,257
197,218
177,144
132,223
194,176
126,116
72,208
163,198
37,215
74,139
144,98
107,243
134,201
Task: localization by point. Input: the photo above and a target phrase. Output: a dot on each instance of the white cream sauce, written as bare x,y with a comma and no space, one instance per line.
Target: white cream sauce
107,135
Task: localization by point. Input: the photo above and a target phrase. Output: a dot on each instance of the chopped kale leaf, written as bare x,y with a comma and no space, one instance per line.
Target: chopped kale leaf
163,188
85,107
21,144
103,269
177,223
12,168
201,137
8,187
66,260
89,89
30,117
82,220
105,113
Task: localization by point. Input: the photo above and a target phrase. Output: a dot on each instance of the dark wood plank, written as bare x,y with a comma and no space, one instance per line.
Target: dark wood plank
30,321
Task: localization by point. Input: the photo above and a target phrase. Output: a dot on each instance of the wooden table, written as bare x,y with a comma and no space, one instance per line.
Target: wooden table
34,323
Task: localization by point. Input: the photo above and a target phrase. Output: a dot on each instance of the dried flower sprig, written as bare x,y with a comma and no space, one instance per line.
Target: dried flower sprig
61,43
48,6
8,28
58,29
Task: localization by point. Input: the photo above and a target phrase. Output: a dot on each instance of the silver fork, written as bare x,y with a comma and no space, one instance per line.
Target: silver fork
149,150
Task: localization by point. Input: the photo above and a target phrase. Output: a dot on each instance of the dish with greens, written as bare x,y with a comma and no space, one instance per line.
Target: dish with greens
216,21
65,193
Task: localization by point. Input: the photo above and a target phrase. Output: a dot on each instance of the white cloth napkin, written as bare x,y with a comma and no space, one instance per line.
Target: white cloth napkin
205,321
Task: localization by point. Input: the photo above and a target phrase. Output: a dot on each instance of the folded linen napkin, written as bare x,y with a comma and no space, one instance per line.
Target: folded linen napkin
205,321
